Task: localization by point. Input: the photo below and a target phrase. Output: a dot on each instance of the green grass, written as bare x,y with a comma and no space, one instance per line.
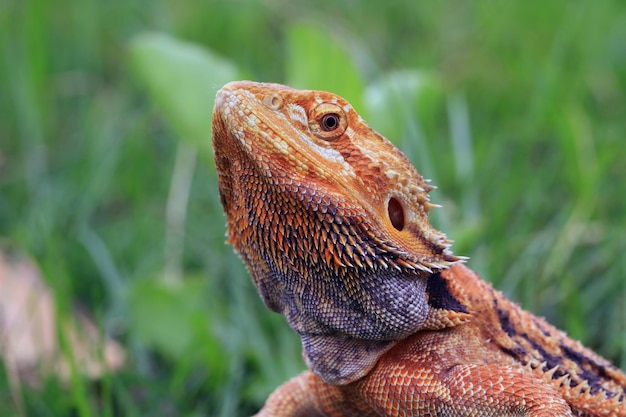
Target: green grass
521,125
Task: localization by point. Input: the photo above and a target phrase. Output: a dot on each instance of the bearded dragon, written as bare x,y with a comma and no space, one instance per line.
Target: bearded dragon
331,220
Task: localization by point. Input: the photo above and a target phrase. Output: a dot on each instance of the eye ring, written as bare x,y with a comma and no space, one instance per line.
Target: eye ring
328,121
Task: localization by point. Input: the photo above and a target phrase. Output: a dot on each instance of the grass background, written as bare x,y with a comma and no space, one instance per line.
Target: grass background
517,112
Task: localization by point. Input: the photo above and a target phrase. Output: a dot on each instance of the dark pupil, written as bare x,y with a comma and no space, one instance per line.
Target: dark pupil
330,122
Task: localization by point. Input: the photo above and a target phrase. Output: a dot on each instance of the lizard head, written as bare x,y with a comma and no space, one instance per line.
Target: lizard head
330,217
314,146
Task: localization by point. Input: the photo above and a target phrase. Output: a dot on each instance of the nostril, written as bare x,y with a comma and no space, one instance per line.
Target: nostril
396,213
273,101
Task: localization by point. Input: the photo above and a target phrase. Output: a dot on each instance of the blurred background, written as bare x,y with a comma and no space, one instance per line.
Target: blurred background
111,230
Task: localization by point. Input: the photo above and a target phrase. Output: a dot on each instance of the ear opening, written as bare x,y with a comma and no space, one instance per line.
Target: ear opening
396,213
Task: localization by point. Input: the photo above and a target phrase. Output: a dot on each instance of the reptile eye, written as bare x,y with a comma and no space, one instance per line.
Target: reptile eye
396,213
327,121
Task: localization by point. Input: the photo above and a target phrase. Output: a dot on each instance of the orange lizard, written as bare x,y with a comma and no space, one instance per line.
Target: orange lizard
331,220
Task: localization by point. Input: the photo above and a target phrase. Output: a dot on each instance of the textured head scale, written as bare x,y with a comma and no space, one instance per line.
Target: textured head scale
329,216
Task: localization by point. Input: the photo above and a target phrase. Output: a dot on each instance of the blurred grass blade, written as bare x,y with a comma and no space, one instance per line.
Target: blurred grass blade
318,61
398,98
182,78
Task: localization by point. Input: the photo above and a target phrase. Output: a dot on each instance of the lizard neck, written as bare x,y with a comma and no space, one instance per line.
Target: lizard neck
348,318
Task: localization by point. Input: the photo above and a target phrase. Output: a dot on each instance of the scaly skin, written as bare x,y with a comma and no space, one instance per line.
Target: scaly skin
331,221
